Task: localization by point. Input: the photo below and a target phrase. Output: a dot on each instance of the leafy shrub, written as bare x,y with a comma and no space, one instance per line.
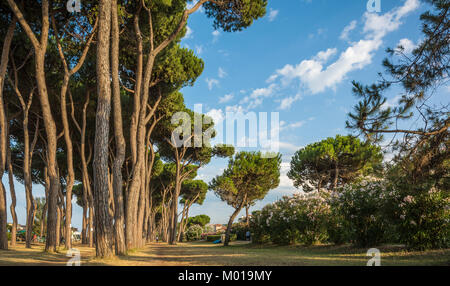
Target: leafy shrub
337,228
301,218
194,232
421,215
212,238
360,208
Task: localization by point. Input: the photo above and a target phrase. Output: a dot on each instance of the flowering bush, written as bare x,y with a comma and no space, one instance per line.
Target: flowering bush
421,215
360,206
194,232
301,218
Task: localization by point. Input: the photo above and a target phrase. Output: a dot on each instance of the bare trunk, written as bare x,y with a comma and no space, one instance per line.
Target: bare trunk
44,214
91,225
87,202
140,220
182,223
58,225
247,217
141,117
69,157
103,227
27,179
119,219
4,135
69,146
13,197
174,207
84,226
40,48
232,218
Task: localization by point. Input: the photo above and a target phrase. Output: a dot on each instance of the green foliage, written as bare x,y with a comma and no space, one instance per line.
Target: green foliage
193,191
248,178
200,220
421,215
212,238
194,232
301,218
333,162
361,205
240,229
232,15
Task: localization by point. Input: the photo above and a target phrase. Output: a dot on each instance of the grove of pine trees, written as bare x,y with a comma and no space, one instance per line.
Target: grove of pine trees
86,100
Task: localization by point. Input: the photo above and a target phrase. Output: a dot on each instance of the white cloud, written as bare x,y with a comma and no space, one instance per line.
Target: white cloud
285,126
226,98
272,78
189,33
211,83
317,77
256,98
288,146
273,14
323,56
285,182
393,102
217,115
216,35
347,30
222,73
407,45
287,102
199,49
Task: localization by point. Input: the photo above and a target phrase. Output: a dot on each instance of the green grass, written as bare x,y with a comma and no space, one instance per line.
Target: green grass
323,255
238,254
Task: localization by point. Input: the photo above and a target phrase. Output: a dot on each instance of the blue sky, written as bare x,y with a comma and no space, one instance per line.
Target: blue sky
299,60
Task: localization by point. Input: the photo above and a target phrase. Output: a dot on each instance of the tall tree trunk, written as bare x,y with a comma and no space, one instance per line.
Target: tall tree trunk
13,196
3,134
142,117
47,191
84,224
182,223
119,219
232,218
65,120
174,207
91,224
40,48
27,176
103,227
69,156
140,220
58,225
28,154
44,211
87,192
247,217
